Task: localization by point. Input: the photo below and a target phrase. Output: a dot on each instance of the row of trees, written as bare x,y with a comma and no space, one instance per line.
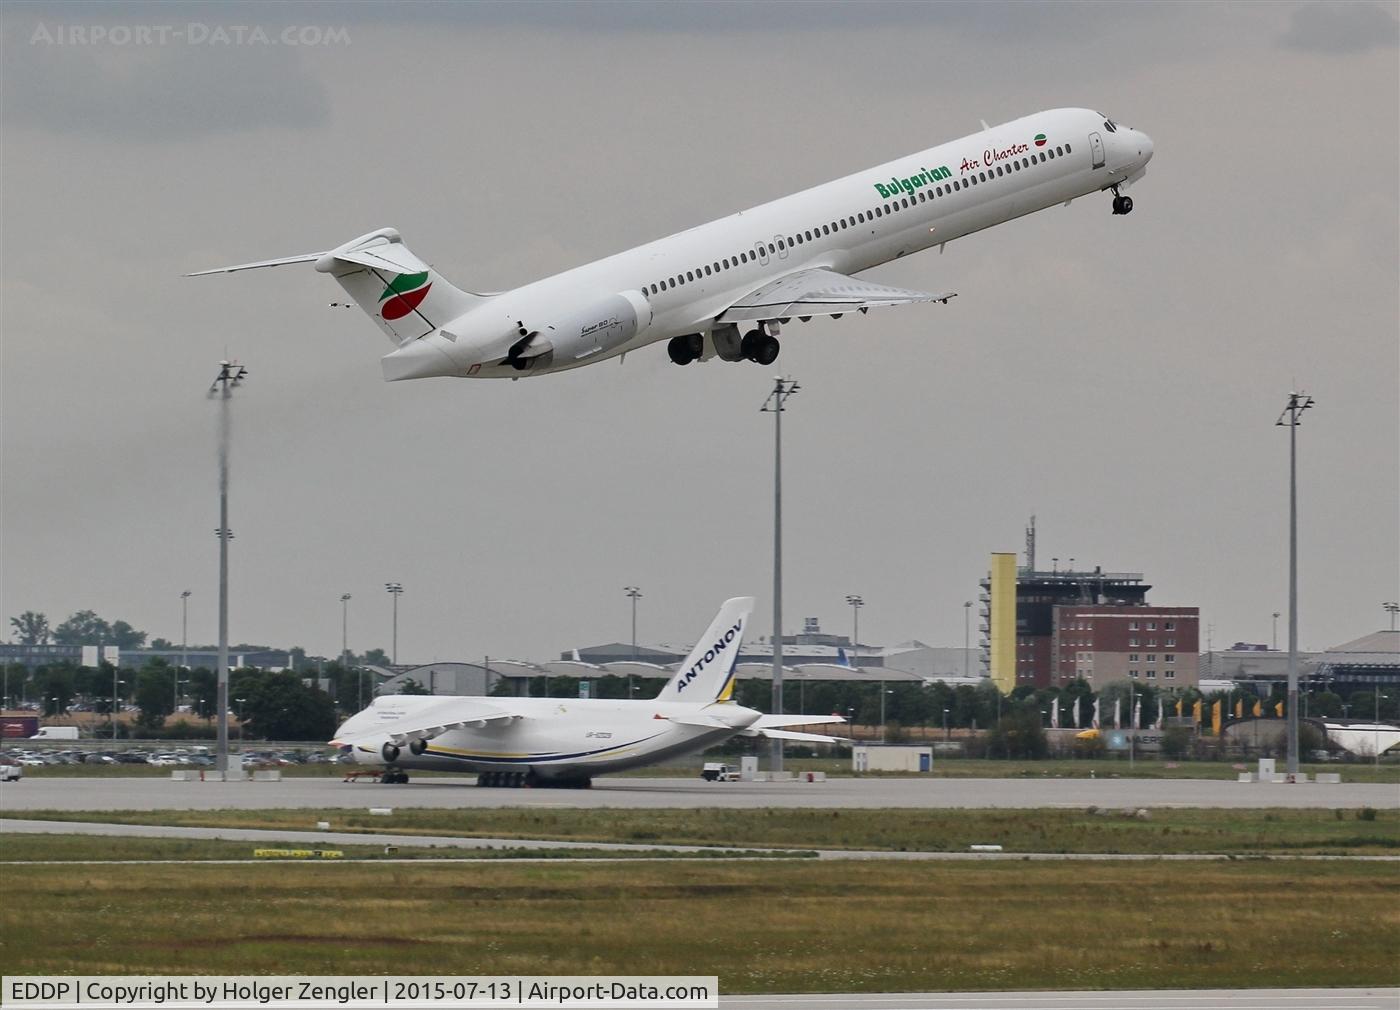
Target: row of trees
82,628
272,705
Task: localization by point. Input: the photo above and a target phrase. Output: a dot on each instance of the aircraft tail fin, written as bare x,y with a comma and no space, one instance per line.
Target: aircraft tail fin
707,675
405,297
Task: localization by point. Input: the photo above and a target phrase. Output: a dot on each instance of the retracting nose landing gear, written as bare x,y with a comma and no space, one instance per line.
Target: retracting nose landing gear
1121,204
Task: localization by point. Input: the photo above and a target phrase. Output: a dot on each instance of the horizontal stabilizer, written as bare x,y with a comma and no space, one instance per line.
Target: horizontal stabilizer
778,721
784,734
703,721
303,258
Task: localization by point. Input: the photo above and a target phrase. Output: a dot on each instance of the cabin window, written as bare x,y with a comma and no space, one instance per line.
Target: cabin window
879,212
771,248
1068,149
707,271
653,289
809,236
725,261
1042,157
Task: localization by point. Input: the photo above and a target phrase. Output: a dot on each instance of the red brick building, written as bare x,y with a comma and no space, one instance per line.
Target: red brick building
1103,644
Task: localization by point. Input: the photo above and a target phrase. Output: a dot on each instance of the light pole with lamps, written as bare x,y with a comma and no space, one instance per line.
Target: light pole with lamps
782,389
1291,417
1275,644
856,603
967,638
184,642
634,594
395,589
1376,728
945,725
230,377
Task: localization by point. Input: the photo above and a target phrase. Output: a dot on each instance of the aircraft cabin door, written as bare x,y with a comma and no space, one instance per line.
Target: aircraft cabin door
1096,149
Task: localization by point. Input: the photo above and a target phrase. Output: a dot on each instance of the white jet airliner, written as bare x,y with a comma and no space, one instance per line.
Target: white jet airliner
697,289
563,741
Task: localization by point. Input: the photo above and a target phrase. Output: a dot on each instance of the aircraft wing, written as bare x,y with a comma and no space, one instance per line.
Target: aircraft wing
431,721
820,292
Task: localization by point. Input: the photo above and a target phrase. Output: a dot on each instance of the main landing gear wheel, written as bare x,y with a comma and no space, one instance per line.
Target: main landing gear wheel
394,777
1122,204
684,350
760,347
503,780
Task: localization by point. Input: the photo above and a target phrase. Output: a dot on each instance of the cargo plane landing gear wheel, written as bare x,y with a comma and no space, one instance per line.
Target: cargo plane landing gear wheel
760,347
394,777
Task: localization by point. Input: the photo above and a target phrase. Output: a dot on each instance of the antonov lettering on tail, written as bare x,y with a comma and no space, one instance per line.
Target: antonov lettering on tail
726,288
563,741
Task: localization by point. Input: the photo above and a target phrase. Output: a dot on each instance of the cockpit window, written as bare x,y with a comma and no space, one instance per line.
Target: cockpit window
1109,126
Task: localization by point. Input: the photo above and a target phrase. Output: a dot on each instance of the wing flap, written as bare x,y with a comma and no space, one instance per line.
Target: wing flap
820,292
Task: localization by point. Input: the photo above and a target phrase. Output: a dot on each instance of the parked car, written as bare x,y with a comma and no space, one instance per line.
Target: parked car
10,769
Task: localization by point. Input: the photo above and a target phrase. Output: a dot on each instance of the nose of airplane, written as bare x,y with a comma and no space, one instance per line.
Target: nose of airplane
417,360
1144,147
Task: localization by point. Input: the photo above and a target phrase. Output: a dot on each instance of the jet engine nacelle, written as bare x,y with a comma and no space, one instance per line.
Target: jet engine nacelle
595,329
389,752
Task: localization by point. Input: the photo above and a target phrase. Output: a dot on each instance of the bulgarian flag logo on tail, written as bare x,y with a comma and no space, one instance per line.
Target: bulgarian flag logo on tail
404,294
1040,140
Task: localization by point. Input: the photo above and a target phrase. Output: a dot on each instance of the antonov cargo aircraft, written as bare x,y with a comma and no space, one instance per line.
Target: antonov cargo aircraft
565,742
698,289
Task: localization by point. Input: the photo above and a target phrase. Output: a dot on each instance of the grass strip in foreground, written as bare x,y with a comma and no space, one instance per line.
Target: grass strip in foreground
16,849
1164,830
778,926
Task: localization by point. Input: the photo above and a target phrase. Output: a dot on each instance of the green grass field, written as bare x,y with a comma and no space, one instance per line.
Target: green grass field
1239,832
761,927
27,848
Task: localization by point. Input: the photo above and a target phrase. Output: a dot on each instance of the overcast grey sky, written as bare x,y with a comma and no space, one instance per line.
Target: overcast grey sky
1117,377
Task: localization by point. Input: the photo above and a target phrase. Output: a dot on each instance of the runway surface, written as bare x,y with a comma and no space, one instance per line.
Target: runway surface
452,793
317,839
1183,999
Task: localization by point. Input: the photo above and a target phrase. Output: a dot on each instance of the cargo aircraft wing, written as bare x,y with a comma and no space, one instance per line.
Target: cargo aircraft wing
429,722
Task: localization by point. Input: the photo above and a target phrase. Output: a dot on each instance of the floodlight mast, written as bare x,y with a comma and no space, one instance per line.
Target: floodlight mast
1291,417
230,377
782,389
